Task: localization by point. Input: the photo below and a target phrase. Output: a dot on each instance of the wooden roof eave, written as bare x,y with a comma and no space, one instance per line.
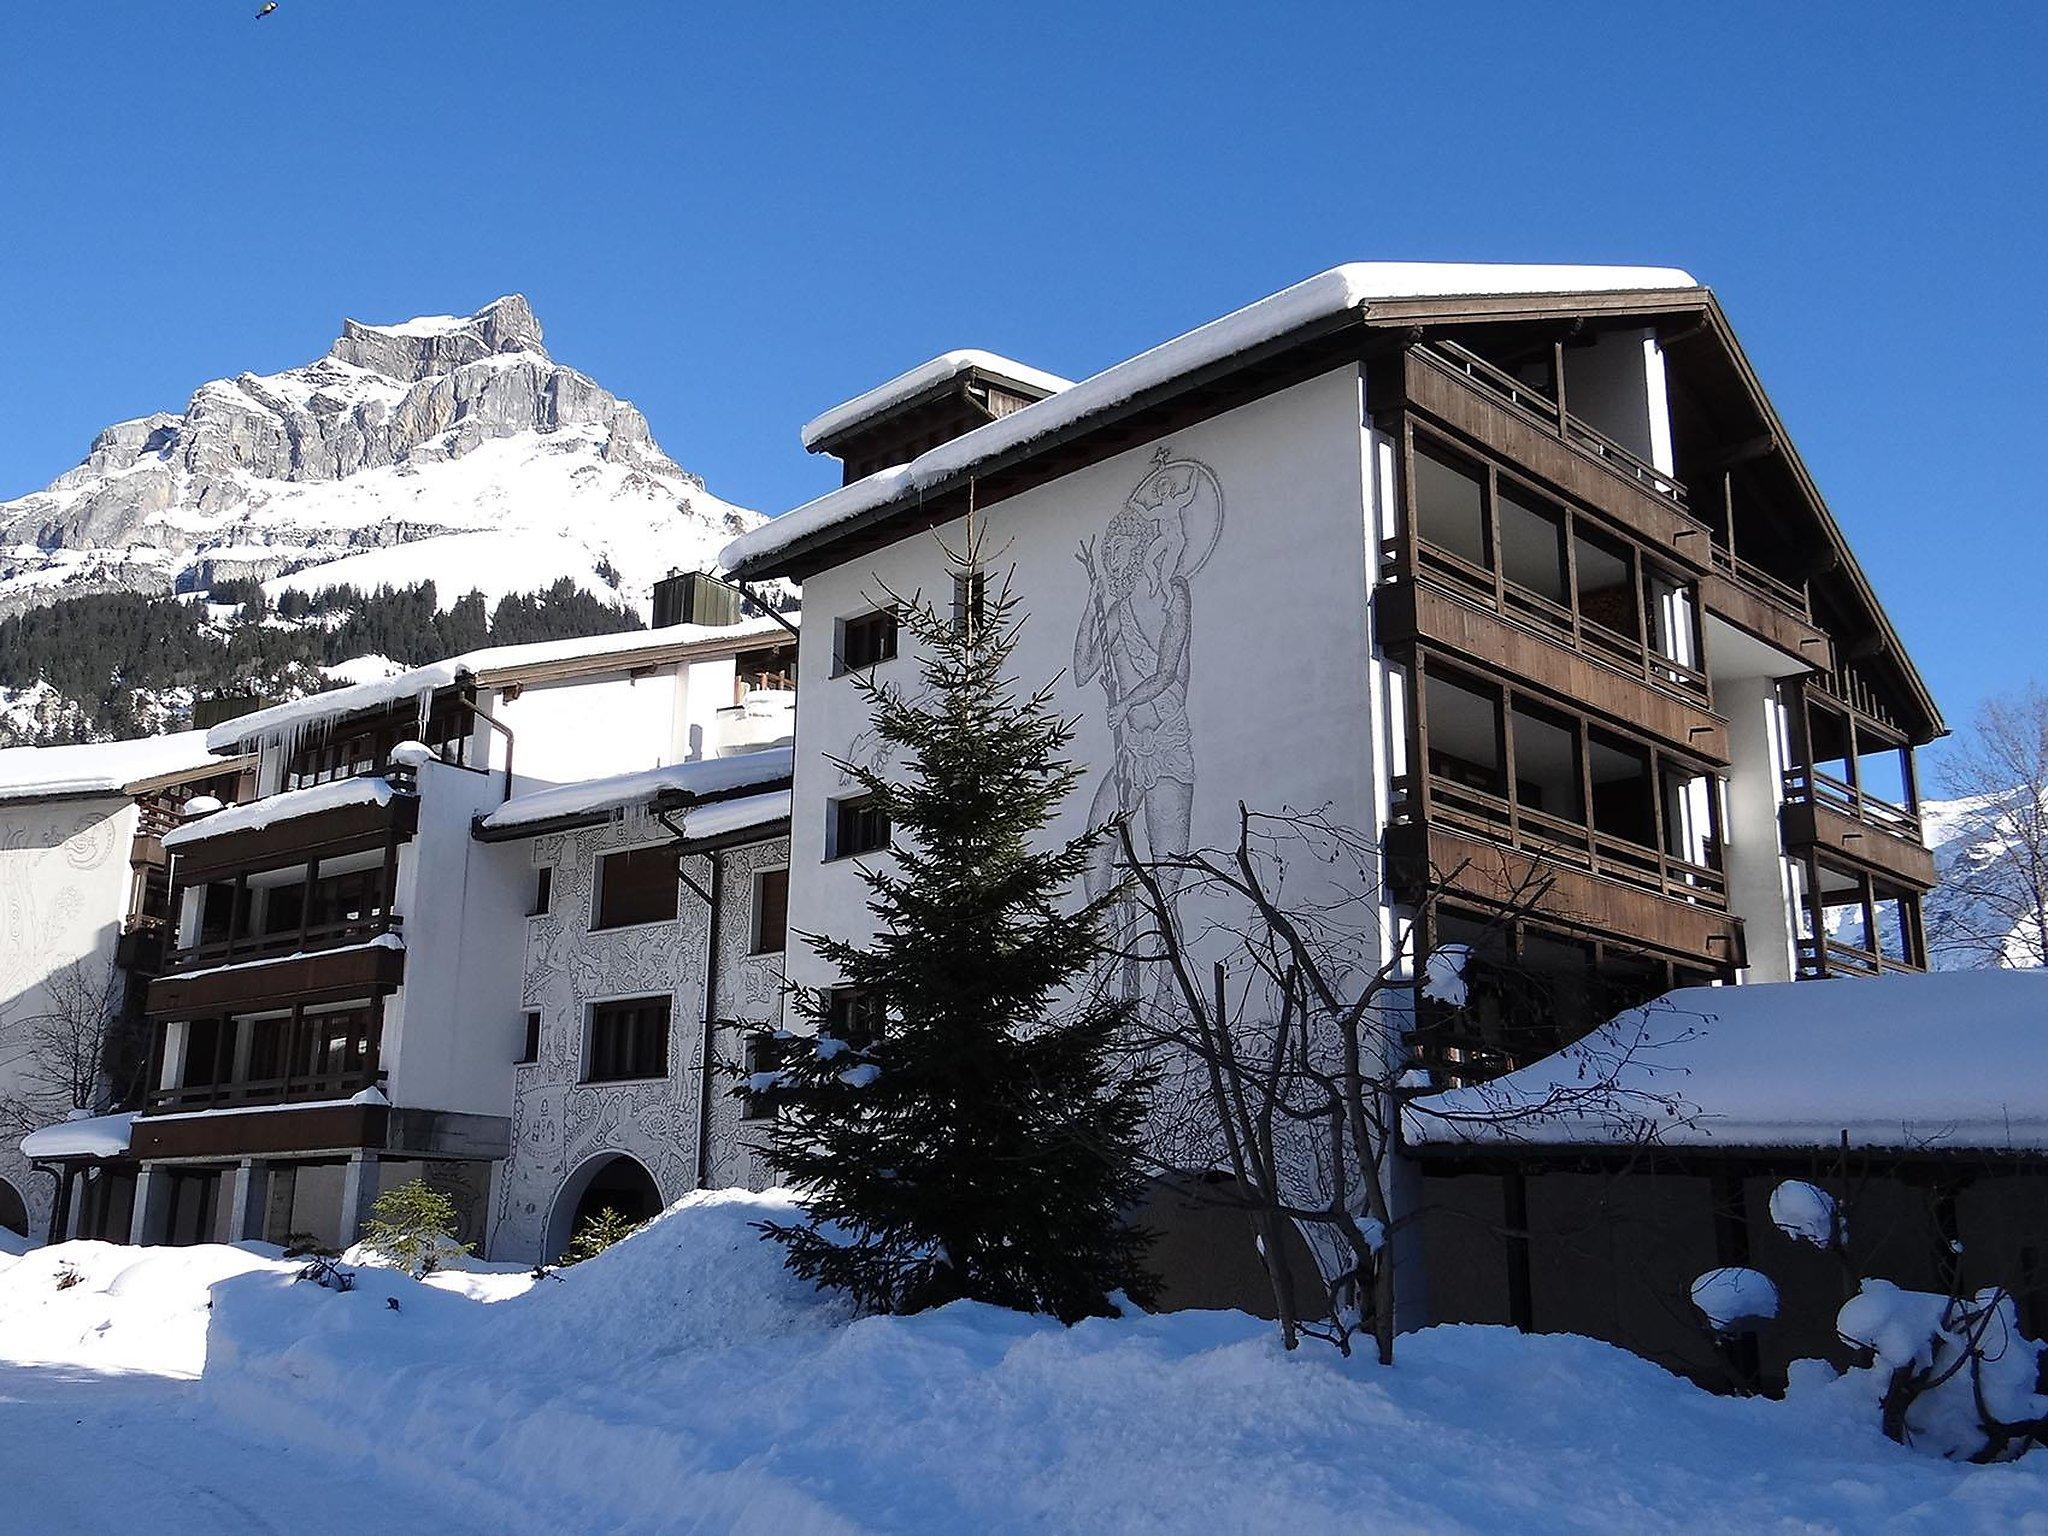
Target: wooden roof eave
1922,697
1367,324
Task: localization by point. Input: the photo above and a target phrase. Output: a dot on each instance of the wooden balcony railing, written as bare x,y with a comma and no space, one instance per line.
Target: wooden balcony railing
1569,843
304,1088
1810,785
1833,957
1755,578
269,946
1539,404
1558,621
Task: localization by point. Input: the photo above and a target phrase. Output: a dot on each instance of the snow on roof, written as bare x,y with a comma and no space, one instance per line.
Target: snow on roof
488,664
1952,1059
721,817
101,767
926,375
273,809
603,797
84,1136
1320,297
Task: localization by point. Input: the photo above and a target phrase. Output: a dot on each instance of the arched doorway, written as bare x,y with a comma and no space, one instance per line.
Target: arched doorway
13,1210
611,1180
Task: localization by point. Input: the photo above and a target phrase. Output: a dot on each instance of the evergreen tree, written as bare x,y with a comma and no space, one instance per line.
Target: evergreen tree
970,1138
414,1227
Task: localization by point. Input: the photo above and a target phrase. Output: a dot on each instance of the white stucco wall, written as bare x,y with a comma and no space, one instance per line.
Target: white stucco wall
64,884
1280,698
452,1029
584,728
1759,876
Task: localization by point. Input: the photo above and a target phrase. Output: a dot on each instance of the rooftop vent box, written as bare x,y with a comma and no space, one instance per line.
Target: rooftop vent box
222,707
694,598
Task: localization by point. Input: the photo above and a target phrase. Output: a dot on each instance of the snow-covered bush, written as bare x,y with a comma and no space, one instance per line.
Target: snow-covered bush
1806,1213
1733,1299
1952,1374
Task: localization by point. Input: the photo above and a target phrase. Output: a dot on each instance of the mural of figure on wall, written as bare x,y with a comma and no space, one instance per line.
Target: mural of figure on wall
1134,638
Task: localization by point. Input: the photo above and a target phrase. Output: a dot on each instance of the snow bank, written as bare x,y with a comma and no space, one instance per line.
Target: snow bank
1786,1064
1322,297
684,1380
109,1307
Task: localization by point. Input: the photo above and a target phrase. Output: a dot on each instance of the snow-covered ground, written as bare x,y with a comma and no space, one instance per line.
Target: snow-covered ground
684,1382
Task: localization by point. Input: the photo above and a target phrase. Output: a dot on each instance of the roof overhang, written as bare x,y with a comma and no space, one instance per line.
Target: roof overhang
1328,340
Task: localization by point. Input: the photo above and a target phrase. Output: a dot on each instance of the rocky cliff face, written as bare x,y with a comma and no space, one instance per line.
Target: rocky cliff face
414,441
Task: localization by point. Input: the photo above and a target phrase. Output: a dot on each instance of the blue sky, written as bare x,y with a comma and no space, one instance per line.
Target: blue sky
736,216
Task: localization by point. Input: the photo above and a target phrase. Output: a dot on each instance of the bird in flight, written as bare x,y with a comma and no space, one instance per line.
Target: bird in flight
268,7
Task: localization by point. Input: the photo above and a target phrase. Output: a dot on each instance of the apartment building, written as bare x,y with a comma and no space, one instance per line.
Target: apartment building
84,913
1514,568
342,1006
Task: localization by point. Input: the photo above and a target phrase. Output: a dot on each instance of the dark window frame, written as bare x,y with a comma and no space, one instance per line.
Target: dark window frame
761,940
604,921
625,1039
862,816
865,640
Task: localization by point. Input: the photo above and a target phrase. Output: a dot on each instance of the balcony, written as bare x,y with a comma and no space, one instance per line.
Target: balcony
1542,407
1615,676
365,969
305,940
1570,845
306,1088
1819,958
1608,895
1825,814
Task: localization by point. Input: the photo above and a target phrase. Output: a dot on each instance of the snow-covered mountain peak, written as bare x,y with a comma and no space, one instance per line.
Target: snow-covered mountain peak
427,345
368,461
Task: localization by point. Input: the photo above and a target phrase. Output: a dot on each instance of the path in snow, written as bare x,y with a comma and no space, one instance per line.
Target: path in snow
85,1454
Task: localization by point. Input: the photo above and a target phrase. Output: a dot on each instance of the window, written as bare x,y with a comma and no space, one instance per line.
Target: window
636,886
543,891
1607,584
1532,543
765,1054
1546,762
1828,751
859,825
867,640
967,602
216,913
1450,505
854,1015
1843,917
1464,733
628,1039
1881,769
1624,803
530,1051
771,910
1890,911
334,1042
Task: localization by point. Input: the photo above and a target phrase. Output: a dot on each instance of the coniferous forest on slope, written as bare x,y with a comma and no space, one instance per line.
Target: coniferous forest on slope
100,651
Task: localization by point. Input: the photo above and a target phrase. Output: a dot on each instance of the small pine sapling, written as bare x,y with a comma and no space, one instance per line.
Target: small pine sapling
598,1232
414,1227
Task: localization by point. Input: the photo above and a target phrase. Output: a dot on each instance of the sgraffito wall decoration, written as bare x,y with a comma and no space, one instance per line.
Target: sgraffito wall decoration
63,891
562,1126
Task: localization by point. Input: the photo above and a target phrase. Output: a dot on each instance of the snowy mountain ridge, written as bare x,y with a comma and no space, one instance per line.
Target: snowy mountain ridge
445,448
